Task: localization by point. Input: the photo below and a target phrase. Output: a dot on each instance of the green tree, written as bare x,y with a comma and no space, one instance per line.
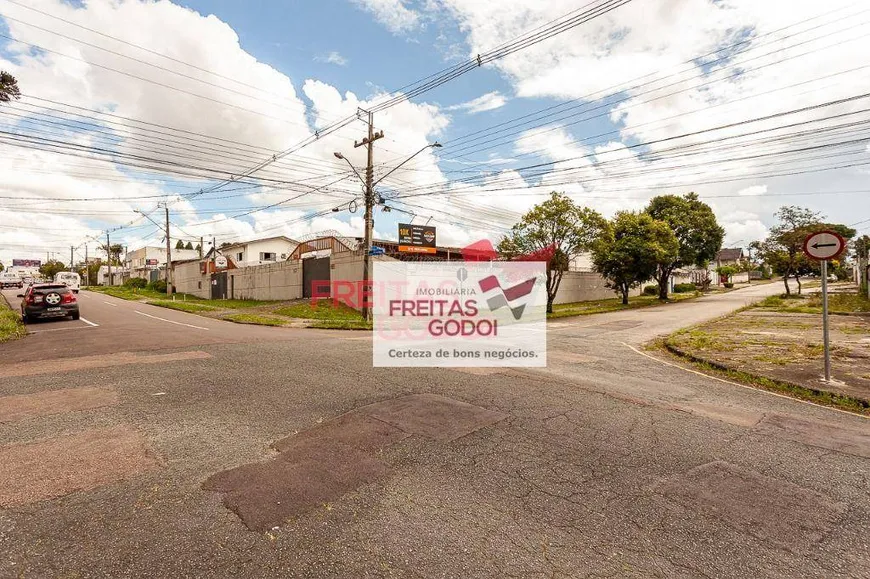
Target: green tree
557,227
188,246
179,244
50,268
783,248
630,250
8,87
695,226
2,267
115,251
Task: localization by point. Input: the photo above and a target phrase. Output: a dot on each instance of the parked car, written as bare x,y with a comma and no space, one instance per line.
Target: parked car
48,300
10,280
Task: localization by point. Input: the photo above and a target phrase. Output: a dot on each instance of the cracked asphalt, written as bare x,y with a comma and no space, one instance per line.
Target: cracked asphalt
609,463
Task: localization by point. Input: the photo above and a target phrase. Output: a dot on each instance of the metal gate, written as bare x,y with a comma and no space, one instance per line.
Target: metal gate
219,285
315,269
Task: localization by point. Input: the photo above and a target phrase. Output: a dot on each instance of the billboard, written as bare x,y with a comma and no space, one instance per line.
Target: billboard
151,262
416,238
26,262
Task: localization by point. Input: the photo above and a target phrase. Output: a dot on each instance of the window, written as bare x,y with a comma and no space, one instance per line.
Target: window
199,285
267,256
240,256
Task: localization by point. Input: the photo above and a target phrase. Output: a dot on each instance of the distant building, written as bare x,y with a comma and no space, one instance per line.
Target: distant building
149,263
257,251
732,256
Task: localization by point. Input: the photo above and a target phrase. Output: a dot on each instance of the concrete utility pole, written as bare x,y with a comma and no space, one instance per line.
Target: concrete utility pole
200,247
87,267
168,255
368,142
109,257
71,248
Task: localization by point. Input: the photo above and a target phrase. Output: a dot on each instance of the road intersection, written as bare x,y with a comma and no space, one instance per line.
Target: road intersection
607,462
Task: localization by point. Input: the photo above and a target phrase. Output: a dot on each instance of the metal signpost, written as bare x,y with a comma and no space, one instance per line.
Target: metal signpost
822,246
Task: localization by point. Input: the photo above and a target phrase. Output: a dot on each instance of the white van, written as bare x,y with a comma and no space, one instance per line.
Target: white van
70,278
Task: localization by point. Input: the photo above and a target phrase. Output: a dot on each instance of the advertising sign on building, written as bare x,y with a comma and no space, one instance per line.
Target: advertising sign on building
416,238
451,314
151,262
26,262
220,262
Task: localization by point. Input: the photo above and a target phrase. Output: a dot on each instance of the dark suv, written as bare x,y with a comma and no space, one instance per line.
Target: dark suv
44,300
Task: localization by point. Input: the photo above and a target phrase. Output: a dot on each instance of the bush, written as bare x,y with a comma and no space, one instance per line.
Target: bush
651,290
158,286
728,285
136,282
683,288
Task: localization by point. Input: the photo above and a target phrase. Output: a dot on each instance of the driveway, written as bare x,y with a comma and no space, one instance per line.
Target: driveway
159,443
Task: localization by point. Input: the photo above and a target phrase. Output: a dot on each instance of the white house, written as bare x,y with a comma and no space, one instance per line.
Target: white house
145,260
259,251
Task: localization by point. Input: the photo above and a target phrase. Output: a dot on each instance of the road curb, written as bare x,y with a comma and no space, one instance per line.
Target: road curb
752,379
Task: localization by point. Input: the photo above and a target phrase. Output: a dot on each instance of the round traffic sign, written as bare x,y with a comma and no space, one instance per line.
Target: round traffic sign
823,245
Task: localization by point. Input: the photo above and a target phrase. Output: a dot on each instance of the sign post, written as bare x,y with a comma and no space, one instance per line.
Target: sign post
822,246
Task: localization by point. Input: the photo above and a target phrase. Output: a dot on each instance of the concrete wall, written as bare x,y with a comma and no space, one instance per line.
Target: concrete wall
581,286
274,281
186,278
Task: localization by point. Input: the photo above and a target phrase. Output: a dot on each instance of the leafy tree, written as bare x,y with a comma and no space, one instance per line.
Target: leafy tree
2,267
696,228
557,228
198,247
726,271
188,246
115,251
8,87
783,248
50,268
179,244
631,249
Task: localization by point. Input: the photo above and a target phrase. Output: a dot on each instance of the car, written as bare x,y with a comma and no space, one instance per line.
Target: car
70,278
10,280
48,300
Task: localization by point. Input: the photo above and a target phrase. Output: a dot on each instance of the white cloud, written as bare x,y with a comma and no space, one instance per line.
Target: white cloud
487,102
333,57
753,190
393,14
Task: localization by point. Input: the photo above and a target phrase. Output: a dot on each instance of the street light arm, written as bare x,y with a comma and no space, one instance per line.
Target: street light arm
343,158
390,172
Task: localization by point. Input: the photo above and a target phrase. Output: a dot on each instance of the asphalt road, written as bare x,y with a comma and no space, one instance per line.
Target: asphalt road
608,462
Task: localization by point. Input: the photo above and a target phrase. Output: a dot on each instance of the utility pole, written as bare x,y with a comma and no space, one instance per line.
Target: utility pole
368,142
71,248
200,246
87,267
109,257
168,255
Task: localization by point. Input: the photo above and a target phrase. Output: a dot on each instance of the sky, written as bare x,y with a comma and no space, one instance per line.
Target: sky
128,106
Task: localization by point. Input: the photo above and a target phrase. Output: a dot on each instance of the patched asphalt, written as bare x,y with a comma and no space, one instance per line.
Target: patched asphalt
607,463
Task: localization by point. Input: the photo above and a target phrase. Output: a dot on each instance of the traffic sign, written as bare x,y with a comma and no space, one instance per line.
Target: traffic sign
824,245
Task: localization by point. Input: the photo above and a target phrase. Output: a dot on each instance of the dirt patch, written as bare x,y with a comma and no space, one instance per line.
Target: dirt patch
320,465
786,347
89,362
773,510
20,407
55,467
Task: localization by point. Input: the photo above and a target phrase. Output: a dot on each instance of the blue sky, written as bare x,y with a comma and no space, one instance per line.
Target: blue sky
314,54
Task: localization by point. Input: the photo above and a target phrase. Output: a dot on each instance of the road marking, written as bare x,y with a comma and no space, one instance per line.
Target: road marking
659,360
111,304
170,321
88,322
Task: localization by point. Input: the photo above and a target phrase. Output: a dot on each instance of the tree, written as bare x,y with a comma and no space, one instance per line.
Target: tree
198,247
188,246
8,87
2,267
558,228
115,251
51,268
179,244
630,249
783,249
697,231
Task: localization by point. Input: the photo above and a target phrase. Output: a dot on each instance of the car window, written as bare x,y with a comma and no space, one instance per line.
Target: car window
61,289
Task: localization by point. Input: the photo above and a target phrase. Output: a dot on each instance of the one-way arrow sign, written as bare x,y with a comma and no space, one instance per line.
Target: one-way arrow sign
824,245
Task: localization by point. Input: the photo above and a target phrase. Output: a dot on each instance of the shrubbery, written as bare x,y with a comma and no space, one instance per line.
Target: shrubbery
651,290
136,282
728,285
682,288
158,286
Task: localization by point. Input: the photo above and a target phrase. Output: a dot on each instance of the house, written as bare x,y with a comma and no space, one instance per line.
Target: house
259,251
148,262
732,256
